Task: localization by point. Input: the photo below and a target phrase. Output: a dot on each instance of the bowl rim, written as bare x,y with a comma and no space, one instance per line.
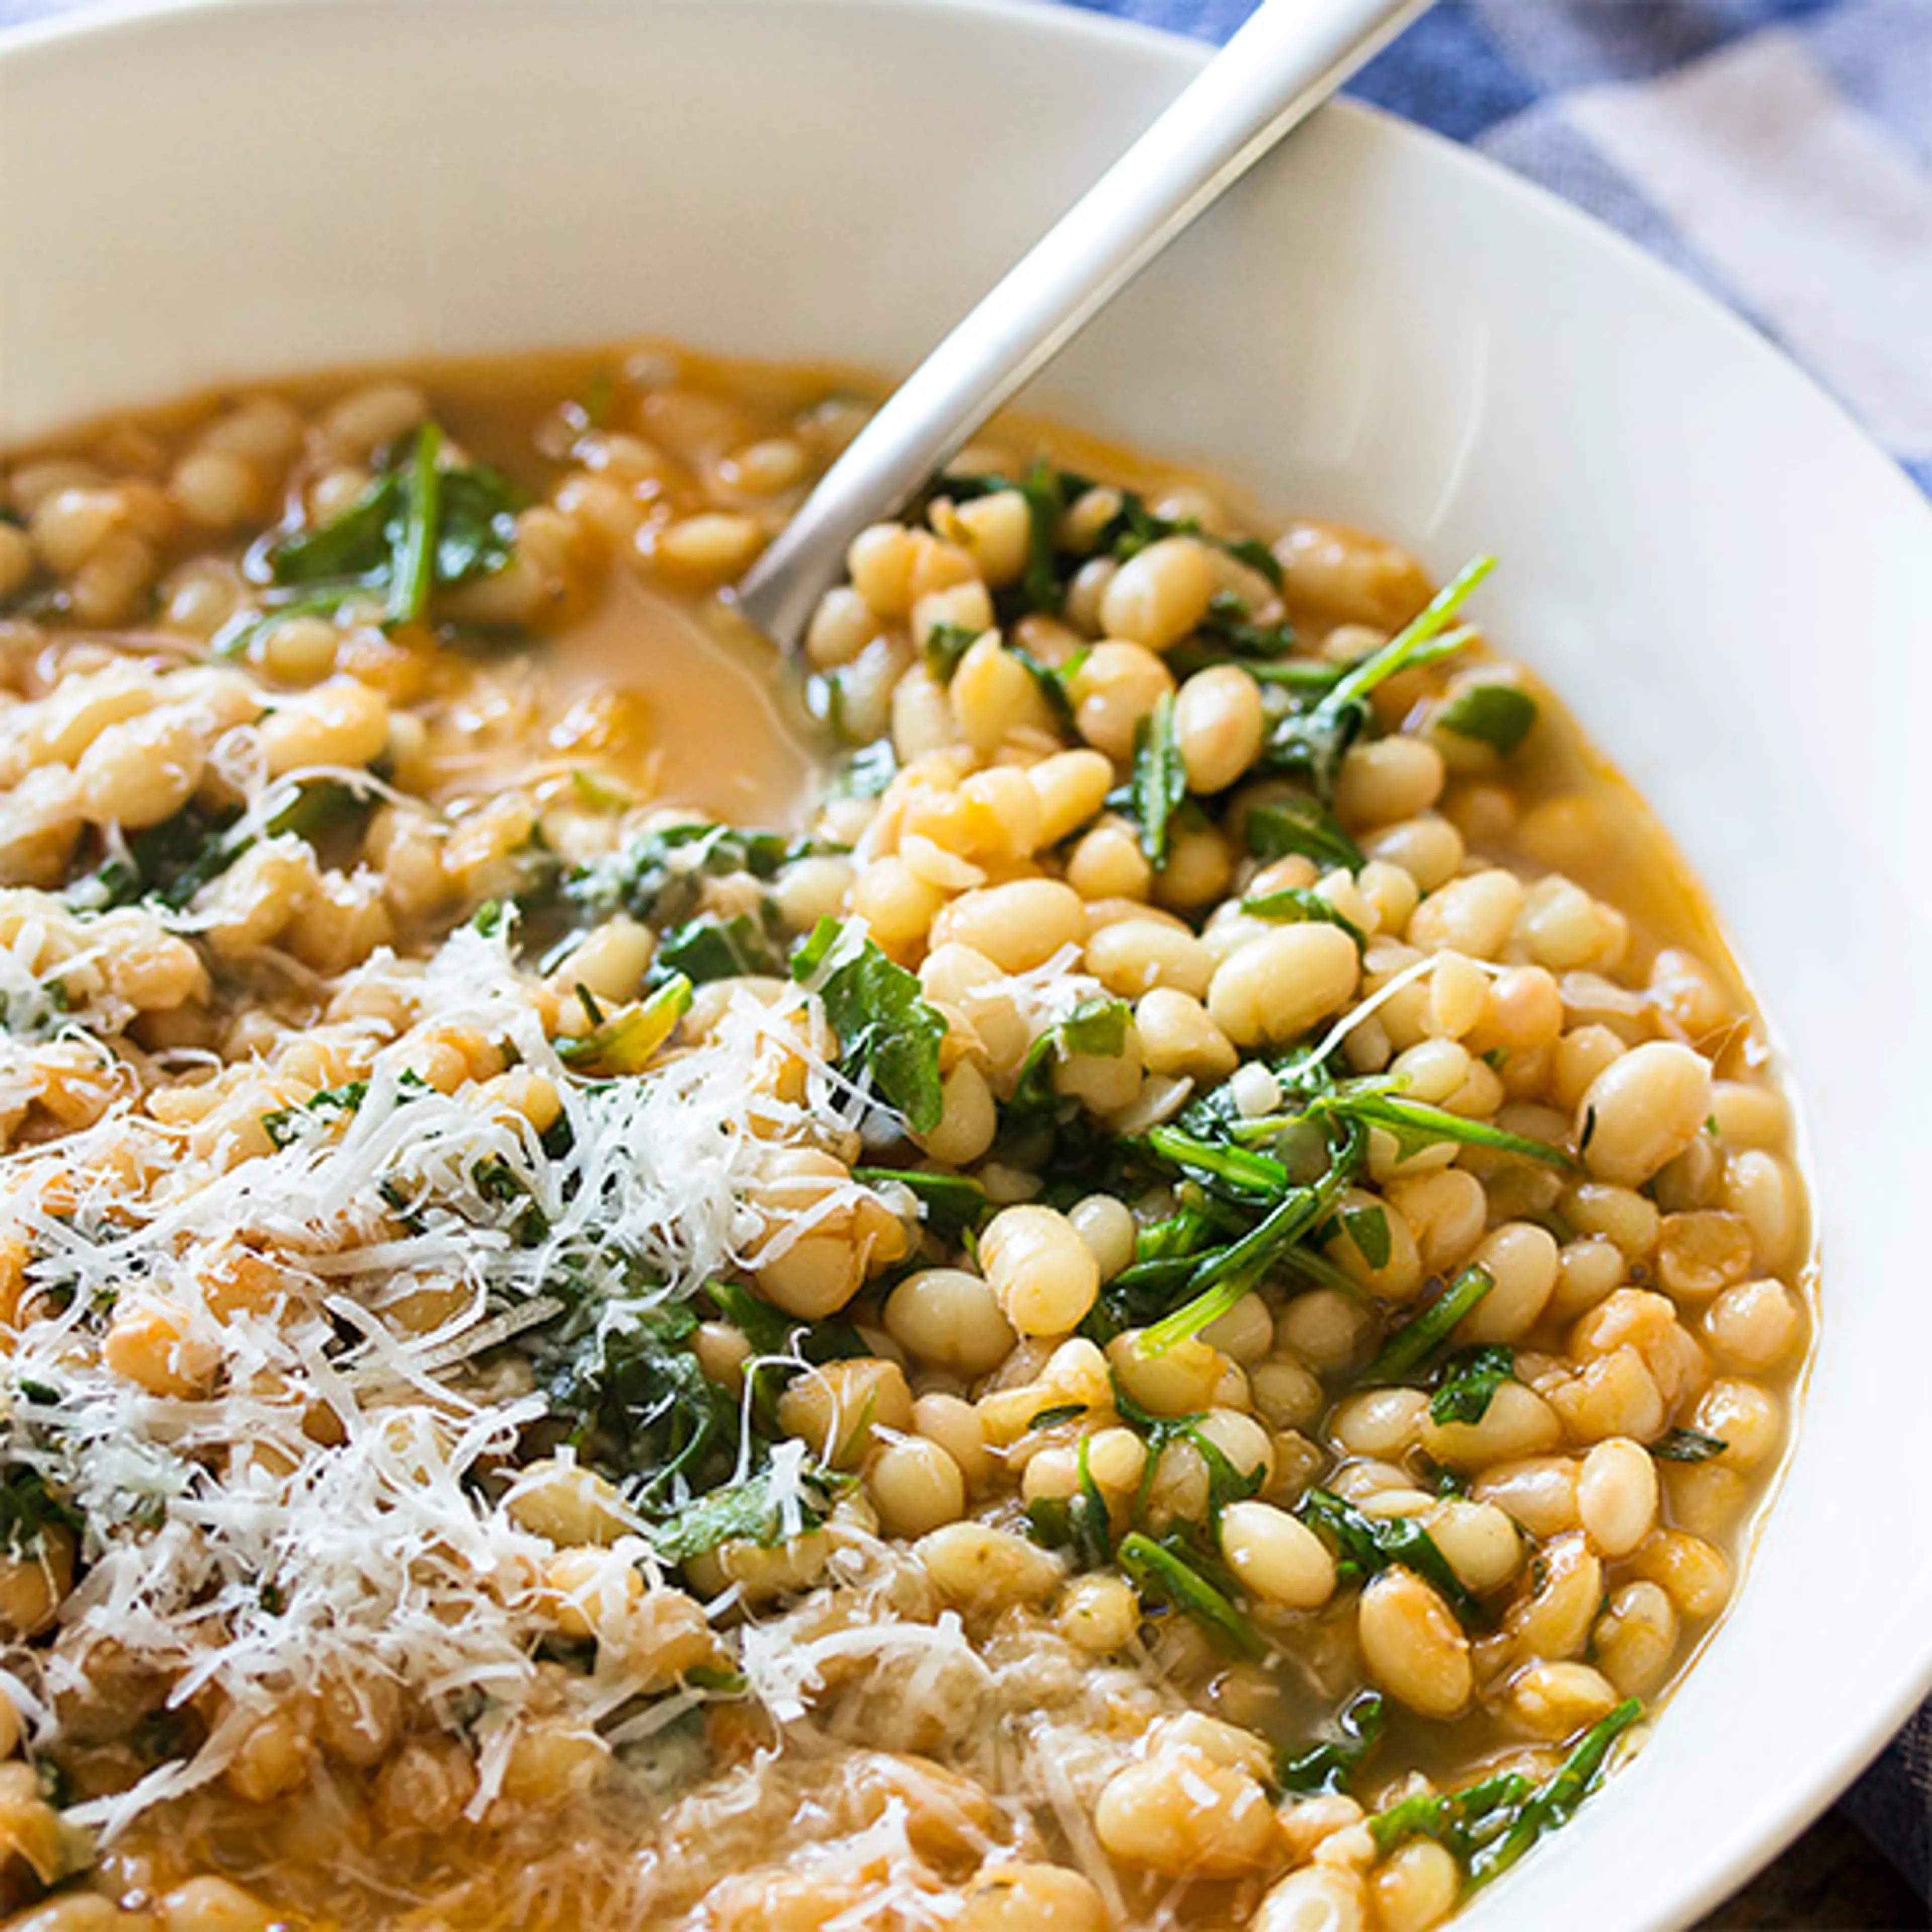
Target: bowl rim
1857,1743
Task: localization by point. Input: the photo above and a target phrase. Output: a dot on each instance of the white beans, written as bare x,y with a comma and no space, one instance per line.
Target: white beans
1616,1495
1158,596
1045,1275
949,1319
1276,1555
1273,990
1643,1110
1413,1645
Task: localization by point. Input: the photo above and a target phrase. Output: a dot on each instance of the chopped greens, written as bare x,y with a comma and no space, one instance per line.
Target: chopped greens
1499,716
638,1405
660,876
1222,1276
1688,1445
760,1509
1424,1334
1159,785
1299,905
1078,1523
1469,1382
710,947
1311,743
1327,1768
1159,1571
418,527
1371,1544
171,862
1488,1827
1096,1026
1416,1124
29,1509
950,1203
945,646
1292,823
1368,1229
886,1026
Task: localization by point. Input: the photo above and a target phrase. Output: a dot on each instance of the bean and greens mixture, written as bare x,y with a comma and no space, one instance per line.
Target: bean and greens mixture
1119,1255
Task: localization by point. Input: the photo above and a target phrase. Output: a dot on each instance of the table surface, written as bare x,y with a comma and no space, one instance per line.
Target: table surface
1831,1880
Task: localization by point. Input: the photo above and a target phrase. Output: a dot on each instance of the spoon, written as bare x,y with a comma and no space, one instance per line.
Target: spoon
1289,57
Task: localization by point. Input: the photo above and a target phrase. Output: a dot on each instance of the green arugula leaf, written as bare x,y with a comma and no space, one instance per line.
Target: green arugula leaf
885,1025
1488,1827
419,526
660,876
1159,783
1426,1333
1078,1523
949,1203
1298,904
171,862
750,1511
1328,1768
1298,825
1368,1227
1097,1026
1555,1802
1314,742
709,948
413,570
1222,1276
1373,1543
1158,1571
1500,716
29,1509
1469,1382
945,646
1227,625
1415,1124
1688,1445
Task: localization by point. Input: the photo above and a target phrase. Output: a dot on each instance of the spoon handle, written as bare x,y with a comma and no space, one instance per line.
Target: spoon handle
1287,59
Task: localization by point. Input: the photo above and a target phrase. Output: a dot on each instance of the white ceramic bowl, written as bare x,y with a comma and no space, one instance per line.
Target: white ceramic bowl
1732,589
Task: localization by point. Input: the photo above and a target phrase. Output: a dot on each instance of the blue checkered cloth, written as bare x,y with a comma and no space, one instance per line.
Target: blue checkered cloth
1779,151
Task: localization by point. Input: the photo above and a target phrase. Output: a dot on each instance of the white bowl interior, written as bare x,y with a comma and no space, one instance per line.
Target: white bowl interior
1733,589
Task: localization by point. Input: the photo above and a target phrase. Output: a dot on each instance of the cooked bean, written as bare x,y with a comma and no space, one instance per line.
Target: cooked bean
1180,1812
1044,1275
1316,1899
1643,1110
1616,1495
1159,594
1116,684
1413,1646
1273,990
1218,724
1017,926
949,1319
1276,1556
